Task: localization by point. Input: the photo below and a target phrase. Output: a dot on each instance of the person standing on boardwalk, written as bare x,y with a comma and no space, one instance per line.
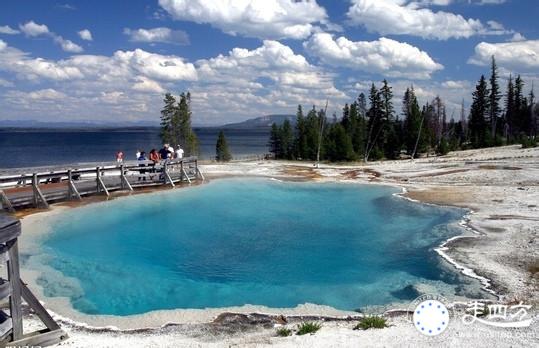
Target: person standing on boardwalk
120,157
179,152
164,153
154,157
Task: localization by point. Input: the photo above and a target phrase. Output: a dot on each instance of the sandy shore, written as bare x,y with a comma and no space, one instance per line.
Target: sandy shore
499,185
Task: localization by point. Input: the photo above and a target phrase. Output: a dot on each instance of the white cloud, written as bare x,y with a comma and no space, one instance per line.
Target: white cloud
451,84
168,68
161,34
267,19
85,34
67,45
402,17
271,78
32,29
518,37
384,56
521,55
144,84
49,93
5,83
6,29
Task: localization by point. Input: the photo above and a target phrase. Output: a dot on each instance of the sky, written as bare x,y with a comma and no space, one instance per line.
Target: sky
113,61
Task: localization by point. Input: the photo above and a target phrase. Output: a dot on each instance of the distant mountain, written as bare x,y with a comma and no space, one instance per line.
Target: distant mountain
262,122
73,125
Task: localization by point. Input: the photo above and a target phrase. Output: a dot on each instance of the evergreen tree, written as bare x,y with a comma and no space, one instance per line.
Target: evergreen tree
300,143
494,98
478,114
375,124
166,117
510,110
338,145
287,140
413,123
185,136
221,149
176,123
275,145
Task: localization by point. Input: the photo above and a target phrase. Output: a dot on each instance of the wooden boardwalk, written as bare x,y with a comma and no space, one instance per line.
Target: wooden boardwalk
40,189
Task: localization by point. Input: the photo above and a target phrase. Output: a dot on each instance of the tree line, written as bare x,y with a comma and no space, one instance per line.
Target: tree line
370,128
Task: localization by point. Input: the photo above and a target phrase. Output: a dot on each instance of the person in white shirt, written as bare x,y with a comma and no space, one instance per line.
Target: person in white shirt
170,152
179,152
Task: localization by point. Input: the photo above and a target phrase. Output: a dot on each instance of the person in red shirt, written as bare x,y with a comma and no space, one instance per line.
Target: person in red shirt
120,157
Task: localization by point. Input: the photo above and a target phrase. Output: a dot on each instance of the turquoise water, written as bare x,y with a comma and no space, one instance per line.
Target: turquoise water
249,241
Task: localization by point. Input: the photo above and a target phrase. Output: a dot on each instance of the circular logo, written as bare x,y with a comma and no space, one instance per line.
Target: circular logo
431,317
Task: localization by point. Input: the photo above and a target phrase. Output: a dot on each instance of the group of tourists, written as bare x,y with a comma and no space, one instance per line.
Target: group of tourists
166,153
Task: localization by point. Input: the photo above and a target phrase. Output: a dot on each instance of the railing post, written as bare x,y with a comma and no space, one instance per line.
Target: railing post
97,177
166,175
181,170
123,179
72,189
10,229
15,298
38,196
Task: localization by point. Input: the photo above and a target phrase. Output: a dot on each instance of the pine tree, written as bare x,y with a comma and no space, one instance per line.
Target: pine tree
494,98
287,140
176,123
510,112
375,124
167,114
414,138
478,113
222,151
275,145
300,143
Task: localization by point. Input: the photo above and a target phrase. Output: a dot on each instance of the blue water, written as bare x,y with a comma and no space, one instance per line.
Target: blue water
248,241
45,147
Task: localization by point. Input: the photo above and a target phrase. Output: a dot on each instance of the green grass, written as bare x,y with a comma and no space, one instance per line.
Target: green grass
371,322
283,332
308,327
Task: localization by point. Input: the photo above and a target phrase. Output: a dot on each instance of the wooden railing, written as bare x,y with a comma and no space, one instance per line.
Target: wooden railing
38,189
11,318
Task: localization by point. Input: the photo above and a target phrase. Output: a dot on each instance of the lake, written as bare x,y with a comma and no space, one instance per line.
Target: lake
33,147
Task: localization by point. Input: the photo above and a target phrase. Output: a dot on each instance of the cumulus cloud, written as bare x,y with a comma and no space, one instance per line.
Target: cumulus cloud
518,37
270,78
384,56
86,35
32,29
67,45
161,34
6,29
403,17
268,19
49,93
520,55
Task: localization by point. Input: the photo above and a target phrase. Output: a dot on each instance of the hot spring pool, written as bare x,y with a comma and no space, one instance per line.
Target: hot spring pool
247,241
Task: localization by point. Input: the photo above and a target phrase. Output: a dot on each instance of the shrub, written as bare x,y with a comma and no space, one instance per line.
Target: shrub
371,322
283,332
308,327
528,142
